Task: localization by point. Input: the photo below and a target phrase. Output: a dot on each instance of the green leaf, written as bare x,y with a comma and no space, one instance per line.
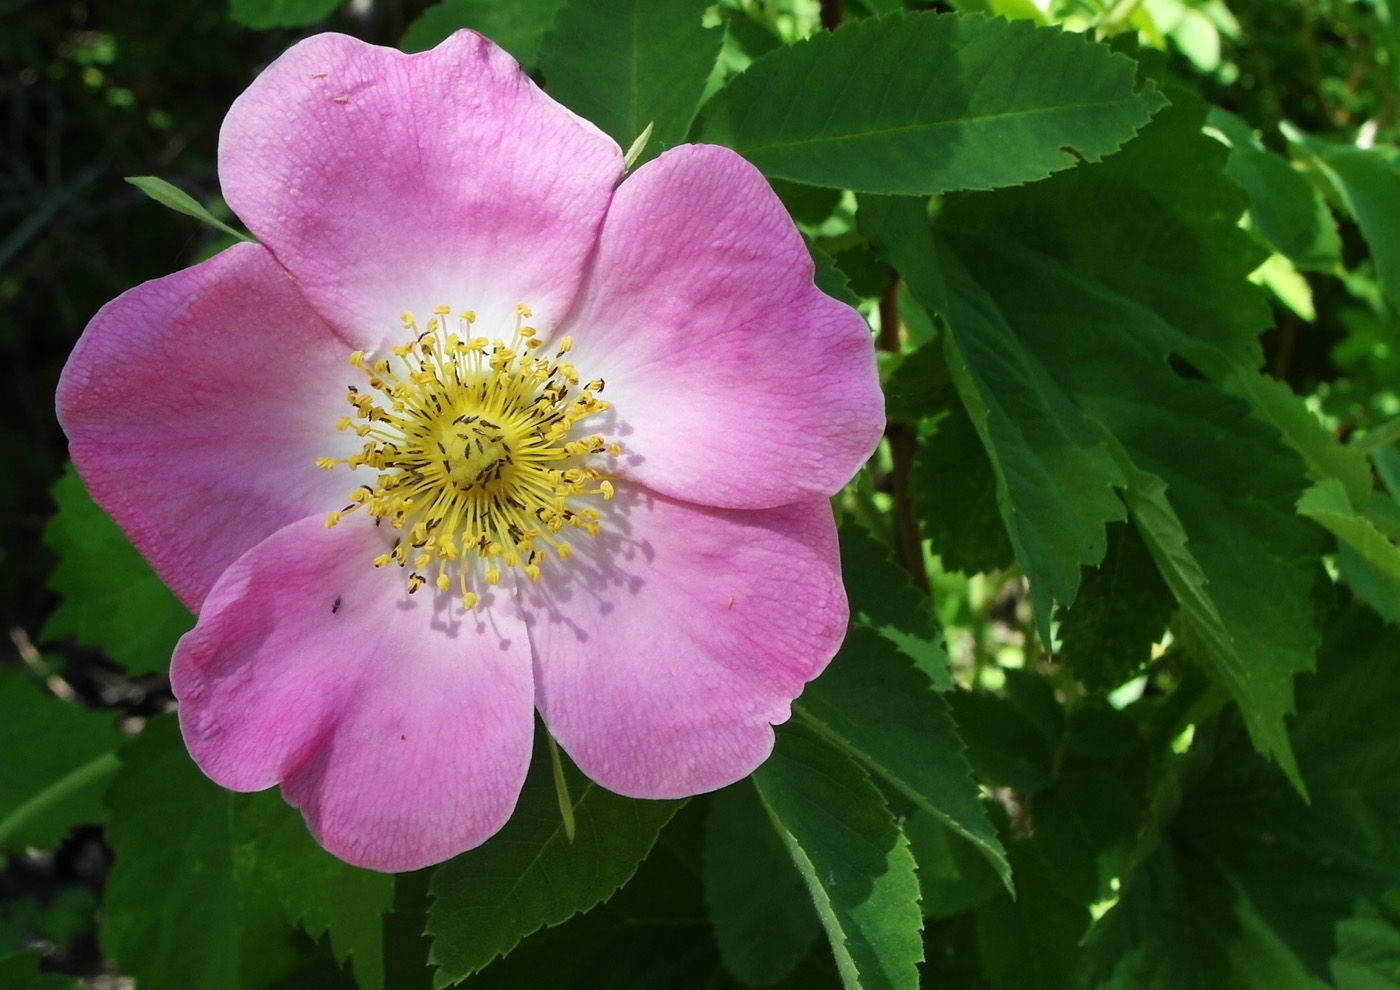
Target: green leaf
1367,181
873,705
1285,209
953,875
1212,490
1368,955
955,494
762,915
1122,610
1054,477
20,971
171,913
111,597
182,202
926,103
1275,403
626,63
1030,943
829,278
1004,747
518,26
1239,876
883,597
1085,827
529,875
263,14
1326,503
58,760
317,891
1157,223
855,861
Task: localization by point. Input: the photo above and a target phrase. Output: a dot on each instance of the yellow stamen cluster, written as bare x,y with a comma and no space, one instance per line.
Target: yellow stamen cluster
480,465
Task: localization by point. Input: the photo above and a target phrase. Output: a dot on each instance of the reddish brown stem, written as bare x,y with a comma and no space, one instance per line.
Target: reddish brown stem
904,444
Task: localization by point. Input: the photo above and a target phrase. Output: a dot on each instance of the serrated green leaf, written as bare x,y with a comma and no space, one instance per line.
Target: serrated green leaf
1367,181
111,597
873,705
317,891
1122,610
926,103
518,26
529,875
1239,878
1054,477
654,933
58,758
856,863
1326,503
626,63
182,202
263,14
762,915
829,278
953,875
170,917
1105,343
955,495
1285,209
1157,223
1259,679
1276,403
883,597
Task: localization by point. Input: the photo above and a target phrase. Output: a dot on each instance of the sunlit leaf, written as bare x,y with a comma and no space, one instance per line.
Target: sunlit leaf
855,862
925,103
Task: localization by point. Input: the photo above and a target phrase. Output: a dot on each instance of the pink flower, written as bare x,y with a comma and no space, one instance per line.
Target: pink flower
476,431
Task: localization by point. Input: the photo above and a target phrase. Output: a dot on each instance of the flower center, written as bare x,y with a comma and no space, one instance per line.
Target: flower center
481,463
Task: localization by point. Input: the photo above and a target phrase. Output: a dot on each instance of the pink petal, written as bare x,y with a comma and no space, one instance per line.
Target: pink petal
196,406
388,182
667,648
400,726
734,381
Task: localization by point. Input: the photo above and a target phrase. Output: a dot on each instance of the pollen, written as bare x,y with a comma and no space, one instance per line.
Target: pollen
482,458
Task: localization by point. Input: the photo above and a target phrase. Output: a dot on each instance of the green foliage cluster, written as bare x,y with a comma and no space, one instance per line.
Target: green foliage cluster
1117,705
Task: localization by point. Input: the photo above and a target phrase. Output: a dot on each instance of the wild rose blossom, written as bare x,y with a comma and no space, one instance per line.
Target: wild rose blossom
476,431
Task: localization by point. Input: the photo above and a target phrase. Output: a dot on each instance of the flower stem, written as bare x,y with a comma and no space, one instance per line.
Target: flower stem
92,772
561,789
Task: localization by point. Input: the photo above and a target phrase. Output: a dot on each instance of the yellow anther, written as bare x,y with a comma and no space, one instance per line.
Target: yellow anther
476,463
